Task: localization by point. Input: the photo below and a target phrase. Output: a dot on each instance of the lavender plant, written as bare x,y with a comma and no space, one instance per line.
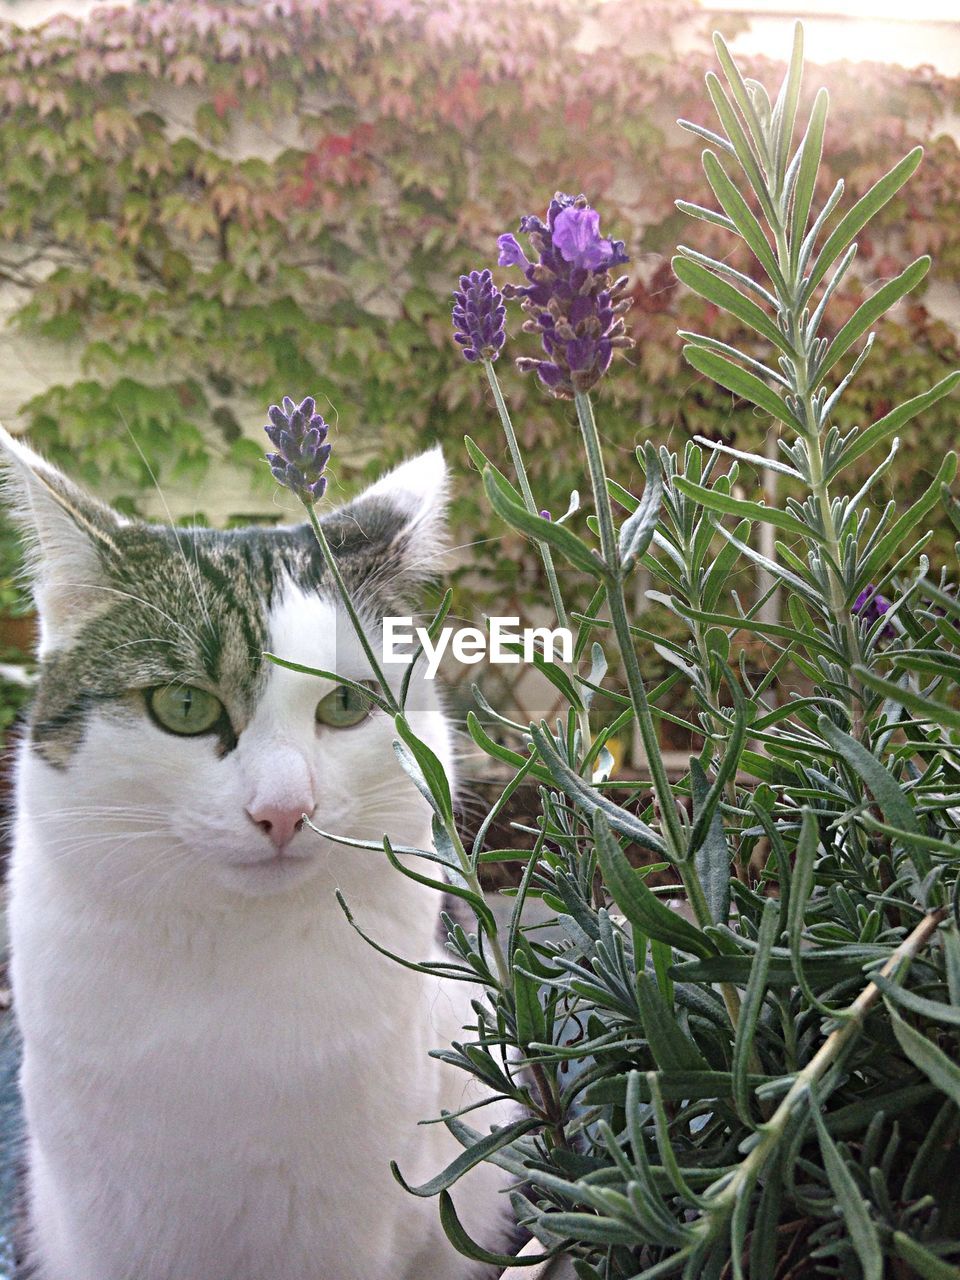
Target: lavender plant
763,1083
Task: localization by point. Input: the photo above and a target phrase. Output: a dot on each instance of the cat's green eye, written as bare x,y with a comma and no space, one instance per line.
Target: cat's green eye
184,709
343,707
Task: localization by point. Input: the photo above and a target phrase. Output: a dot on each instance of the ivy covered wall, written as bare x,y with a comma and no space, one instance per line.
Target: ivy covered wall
206,206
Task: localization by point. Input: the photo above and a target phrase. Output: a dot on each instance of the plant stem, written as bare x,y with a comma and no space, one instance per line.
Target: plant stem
854,1017
673,831
804,377
525,489
466,867
613,581
334,568
469,874
546,554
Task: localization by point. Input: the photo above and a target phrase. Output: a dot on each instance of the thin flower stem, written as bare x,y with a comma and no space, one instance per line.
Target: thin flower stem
583,717
613,582
525,489
468,871
334,568
466,867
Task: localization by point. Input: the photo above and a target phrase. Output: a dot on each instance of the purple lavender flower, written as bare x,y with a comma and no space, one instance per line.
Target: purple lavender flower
871,606
576,233
545,515
570,300
479,316
299,434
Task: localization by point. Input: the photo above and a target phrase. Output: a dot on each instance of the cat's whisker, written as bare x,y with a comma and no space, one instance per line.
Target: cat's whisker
377,582
98,811
67,847
129,644
147,604
190,569
181,851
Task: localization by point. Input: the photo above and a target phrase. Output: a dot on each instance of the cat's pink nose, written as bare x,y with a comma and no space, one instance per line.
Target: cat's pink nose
280,822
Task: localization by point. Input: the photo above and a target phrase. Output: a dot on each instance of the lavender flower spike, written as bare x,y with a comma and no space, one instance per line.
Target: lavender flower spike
299,434
569,299
479,316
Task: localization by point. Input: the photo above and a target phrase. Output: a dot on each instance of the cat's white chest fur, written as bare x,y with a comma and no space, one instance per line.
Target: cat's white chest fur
222,1104
217,1069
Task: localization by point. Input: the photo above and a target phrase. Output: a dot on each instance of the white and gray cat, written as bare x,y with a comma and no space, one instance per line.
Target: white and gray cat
216,1069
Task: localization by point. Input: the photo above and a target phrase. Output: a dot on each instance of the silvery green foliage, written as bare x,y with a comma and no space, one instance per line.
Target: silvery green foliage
769,1076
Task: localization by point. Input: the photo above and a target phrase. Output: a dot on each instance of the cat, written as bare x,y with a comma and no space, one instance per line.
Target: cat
217,1070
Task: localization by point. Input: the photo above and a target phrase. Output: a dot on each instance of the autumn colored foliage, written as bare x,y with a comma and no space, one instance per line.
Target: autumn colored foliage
222,202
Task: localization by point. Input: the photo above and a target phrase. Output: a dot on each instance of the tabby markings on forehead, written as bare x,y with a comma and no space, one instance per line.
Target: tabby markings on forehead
192,605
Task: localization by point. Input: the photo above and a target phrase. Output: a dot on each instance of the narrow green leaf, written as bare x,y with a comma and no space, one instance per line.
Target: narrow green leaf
672,1050
536,527
433,771
482,462
468,1247
785,109
924,1054
728,765
705,215
881,783
714,500
750,1009
779,572
744,220
811,149
474,1155
765,1238
872,310
518,778
499,752
531,1026
823,969
477,904
856,1215
947,1015
716,290
355,685
741,383
675,1086
814,644
588,1227
801,886
856,218
740,143
763,371
740,92
453,971
716,579
893,539
641,907
708,135
592,801
638,529
712,858
551,671
927,1265
433,630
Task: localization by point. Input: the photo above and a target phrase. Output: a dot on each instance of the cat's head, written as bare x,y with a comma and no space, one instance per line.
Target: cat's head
164,753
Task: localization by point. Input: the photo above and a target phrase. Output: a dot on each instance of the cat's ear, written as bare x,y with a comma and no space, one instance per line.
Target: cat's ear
395,532
69,539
